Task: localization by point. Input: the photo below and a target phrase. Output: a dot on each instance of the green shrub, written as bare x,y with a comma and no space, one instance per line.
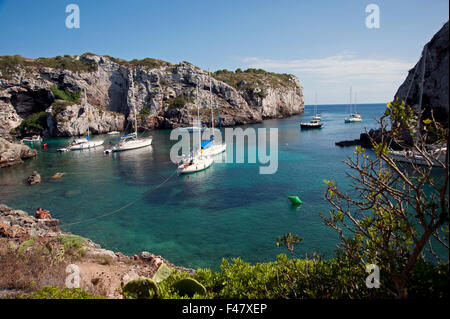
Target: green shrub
143,288
59,293
189,287
144,111
65,94
11,64
35,123
73,245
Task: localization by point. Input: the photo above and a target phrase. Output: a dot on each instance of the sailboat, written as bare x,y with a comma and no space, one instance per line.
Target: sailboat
83,143
316,115
353,117
213,147
197,161
131,141
315,122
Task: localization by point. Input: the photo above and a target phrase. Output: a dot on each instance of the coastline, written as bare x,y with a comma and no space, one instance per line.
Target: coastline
102,271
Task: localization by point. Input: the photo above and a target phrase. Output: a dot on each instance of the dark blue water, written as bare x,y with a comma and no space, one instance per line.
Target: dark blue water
228,210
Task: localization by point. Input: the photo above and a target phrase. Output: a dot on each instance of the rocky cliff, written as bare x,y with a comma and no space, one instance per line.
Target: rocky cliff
163,94
435,89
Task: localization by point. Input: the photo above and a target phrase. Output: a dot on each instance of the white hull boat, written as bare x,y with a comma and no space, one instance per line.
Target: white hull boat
81,144
33,139
215,149
438,155
113,133
196,164
131,144
353,118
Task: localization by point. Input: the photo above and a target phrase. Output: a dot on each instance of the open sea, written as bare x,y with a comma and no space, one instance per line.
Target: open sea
226,211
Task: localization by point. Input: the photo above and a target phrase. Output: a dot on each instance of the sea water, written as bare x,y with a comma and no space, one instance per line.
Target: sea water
226,211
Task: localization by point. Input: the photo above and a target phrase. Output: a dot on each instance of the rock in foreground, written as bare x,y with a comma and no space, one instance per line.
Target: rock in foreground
12,154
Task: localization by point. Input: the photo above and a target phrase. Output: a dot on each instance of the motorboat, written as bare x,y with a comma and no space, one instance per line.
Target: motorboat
311,124
33,139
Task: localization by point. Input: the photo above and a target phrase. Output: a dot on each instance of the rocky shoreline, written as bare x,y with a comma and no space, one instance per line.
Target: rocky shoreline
164,95
102,271
13,154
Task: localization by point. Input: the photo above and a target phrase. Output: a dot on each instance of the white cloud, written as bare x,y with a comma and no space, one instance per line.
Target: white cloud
369,74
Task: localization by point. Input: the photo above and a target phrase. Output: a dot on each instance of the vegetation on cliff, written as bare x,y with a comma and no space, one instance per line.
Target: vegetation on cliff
11,64
36,123
254,78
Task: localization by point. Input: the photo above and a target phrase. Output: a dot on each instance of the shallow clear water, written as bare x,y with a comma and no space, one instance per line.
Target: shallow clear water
228,210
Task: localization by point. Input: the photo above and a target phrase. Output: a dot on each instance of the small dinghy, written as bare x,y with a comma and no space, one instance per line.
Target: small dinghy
34,138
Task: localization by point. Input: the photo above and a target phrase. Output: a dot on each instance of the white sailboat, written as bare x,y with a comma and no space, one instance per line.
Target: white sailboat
316,116
213,146
131,141
353,117
83,143
436,157
197,160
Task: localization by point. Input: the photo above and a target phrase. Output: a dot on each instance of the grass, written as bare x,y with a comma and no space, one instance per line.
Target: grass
65,94
59,293
10,64
254,78
146,62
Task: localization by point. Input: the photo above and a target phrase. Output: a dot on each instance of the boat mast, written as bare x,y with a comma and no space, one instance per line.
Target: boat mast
210,102
134,107
350,106
315,106
85,105
356,112
198,121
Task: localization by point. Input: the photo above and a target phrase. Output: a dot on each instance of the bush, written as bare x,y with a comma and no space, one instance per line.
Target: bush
143,288
35,123
11,64
65,94
59,293
144,111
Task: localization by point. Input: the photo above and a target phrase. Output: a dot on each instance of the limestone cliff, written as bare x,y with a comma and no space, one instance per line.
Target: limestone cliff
435,88
163,94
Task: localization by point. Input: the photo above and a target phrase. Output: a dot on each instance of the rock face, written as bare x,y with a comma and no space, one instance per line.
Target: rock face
435,88
163,94
34,178
12,154
20,223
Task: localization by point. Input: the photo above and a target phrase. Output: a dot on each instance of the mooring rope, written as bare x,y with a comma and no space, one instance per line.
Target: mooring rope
123,207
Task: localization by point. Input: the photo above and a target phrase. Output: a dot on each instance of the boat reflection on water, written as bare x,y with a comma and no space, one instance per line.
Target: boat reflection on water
135,155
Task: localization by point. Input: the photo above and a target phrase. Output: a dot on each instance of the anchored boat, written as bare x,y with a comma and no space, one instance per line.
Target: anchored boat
312,124
82,143
131,141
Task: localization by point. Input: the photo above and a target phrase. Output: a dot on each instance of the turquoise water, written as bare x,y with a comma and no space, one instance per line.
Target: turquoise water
228,210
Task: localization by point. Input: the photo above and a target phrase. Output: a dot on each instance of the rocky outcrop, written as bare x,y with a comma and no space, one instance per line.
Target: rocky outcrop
164,95
435,89
12,154
34,178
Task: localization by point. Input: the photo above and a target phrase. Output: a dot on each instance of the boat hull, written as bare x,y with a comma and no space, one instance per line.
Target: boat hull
200,165
412,157
86,145
310,126
215,149
132,145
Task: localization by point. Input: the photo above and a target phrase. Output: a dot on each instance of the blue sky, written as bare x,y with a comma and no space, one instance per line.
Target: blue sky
325,43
